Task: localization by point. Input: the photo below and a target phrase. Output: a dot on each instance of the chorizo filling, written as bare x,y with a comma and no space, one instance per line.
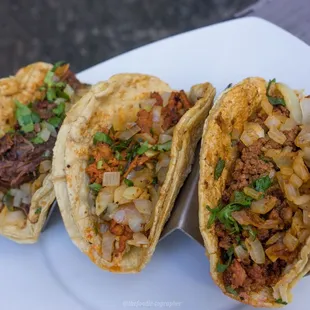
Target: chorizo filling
263,219
127,170
26,150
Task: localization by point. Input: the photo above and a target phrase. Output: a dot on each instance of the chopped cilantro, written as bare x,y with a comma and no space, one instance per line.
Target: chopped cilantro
252,231
143,148
55,121
121,146
280,301
262,184
219,168
38,211
242,199
60,109
264,158
118,155
274,100
28,128
100,164
229,254
165,147
58,64
91,160
51,94
132,152
95,187
102,137
230,290
155,181
128,182
37,140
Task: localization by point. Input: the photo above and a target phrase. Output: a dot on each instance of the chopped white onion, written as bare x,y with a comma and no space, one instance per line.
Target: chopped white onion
161,175
157,120
301,200
163,138
44,134
273,239
138,239
148,104
272,121
118,194
127,134
120,216
256,250
251,133
111,178
303,138
104,197
266,106
276,135
135,223
264,205
144,206
18,196
15,218
306,217
45,166
290,241
111,208
26,188
26,200
69,90
288,125
295,180
301,169
291,101
290,191
60,100
108,240
132,192
241,253
163,161
305,108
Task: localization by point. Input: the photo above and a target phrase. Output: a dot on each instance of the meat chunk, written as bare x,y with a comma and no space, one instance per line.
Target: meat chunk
159,99
44,109
6,143
225,239
235,275
291,136
263,234
144,121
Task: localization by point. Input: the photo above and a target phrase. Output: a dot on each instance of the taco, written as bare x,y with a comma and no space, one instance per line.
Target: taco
254,191
121,158
33,104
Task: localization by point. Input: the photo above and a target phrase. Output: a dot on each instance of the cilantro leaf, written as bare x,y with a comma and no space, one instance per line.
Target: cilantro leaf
262,184
55,121
143,148
219,168
99,164
280,301
251,230
229,254
38,211
37,140
213,216
121,145
242,199
118,155
230,290
128,182
225,217
51,94
22,114
28,128
155,181
102,137
58,64
165,147
274,100
95,187
48,80
60,109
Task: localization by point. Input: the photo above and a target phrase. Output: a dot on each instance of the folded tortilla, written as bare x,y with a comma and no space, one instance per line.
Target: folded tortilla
26,189
236,106
110,109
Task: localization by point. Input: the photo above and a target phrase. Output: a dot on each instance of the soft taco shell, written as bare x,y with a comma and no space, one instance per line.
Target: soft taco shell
24,87
115,101
231,110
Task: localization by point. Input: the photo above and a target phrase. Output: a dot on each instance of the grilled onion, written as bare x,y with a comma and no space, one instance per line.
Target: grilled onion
276,135
241,253
252,193
139,239
251,133
157,120
272,121
127,134
255,250
104,197
301,200
264,205
108,240
273,239
290,241
132,192
306,217
301,169
303,138
295,180
288,125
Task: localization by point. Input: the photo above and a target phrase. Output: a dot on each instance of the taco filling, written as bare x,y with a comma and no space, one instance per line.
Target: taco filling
127,169
27,149
262,221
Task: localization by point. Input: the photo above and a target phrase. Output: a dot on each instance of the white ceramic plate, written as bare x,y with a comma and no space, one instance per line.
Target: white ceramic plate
53,274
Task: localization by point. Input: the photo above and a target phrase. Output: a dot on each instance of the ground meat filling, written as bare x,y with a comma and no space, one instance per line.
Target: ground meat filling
244,275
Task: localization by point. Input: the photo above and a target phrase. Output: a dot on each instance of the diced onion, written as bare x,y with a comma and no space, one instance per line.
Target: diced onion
306,217
297,222
290,191
291,101
145,137
144,206
50,128
241,253
163,138
266,106
295,180
272,173
26,188
264,205
283,160
276,135
305,108
165,96
111,178
287,170
132,192
148,104
157,120
118,195
251,133
303,138
161,175
26,200
256,250
151,153
139,239
142,178
301,169
306,153
44,134
301,200
290,241
273,239
288,125
104,197
163,161
251,192
111,208
108,240
127,134
45,166
303,235
69,90
18,196
272,121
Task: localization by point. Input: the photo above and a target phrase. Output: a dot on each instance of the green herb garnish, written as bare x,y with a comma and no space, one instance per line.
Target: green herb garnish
280,301
37,140
128,182
95,187
262,184
102,137
219,168
252,231
99,164
118,155
60,109
274,100
165,147
230,290
229,254
121,146
38,211
25,117
242,199
91,160
143,148
55,121
155,181
58,64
